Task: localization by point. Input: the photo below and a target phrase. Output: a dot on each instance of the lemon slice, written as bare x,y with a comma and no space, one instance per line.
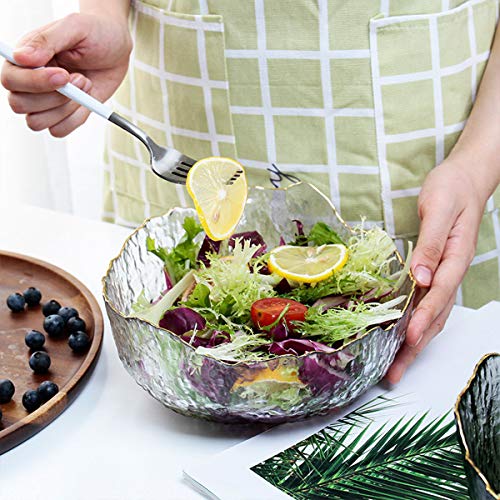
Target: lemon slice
307,264
268,375
218,187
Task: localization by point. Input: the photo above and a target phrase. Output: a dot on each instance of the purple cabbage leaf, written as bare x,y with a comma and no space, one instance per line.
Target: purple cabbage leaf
324,373
298,347
207,338
181,320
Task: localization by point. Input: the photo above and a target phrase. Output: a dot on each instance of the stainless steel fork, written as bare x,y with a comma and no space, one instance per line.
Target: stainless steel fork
167,163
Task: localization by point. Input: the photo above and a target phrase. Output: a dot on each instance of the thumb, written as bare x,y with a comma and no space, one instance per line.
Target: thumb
40,46
435,226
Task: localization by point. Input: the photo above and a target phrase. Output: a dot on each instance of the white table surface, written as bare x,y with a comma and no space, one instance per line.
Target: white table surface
115,441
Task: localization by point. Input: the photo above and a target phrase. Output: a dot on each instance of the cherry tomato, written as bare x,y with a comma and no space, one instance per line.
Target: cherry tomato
265,312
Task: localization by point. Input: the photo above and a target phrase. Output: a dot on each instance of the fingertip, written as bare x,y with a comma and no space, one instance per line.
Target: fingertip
80,81
423,275
394,375
386,384
58,77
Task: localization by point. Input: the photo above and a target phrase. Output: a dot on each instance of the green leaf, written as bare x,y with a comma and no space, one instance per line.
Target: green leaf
200,297
141,303
411,458
191,227
323,234
180,259
159,252
225,307
155,313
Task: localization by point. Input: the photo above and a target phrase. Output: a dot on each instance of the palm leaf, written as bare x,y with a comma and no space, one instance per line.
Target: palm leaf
356,418
363,414
411,458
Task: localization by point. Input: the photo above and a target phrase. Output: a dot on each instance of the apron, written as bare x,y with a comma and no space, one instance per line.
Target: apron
360,97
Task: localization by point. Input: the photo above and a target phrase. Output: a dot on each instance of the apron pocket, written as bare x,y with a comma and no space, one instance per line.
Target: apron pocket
425,71
181,79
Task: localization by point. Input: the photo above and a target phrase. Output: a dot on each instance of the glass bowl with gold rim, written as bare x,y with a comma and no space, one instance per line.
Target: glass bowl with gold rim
477,414
199,385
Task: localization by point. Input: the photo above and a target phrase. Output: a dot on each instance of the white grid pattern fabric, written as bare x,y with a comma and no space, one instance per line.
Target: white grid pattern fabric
436,75
222,92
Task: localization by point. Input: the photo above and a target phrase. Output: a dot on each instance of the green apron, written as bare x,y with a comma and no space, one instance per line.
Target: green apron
360,97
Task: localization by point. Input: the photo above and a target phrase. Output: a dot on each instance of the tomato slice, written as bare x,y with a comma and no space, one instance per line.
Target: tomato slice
265,312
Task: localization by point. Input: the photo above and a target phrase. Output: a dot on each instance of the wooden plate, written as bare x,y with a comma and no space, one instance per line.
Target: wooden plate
68,370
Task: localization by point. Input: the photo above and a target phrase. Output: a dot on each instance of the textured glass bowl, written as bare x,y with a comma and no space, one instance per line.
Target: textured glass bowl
199,385
477,413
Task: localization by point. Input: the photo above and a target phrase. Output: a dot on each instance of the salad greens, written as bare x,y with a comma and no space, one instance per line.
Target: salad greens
268,393
348,321
243,346
323,234
222,299
183,256
233,286
155,312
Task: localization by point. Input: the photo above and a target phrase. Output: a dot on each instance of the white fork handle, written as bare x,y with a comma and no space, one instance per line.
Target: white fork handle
69,90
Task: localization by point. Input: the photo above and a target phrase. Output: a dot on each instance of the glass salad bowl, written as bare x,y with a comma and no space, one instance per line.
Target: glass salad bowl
285,388
477,414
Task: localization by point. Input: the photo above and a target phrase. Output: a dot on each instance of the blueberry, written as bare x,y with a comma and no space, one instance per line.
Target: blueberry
53,325
79,341
76,325
47,390
51,307
40,362
31,400
16,302
33,296
7,390
34,340
67,312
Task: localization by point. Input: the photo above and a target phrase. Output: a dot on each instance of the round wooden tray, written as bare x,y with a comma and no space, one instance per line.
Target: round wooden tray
68,370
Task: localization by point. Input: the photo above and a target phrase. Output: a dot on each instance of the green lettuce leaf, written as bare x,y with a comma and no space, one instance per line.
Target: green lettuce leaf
182,257
323,234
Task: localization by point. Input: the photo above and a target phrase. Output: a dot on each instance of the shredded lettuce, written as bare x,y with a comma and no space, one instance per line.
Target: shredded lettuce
233,286
338,324
269,394
241,347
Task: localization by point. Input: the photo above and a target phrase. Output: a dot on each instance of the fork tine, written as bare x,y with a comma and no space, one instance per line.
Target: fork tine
183,169
234,178
179,174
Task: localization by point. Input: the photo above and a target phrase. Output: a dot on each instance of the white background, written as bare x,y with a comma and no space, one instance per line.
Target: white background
35,168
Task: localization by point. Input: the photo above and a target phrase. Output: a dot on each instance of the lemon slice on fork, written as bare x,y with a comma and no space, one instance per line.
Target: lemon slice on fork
218,187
